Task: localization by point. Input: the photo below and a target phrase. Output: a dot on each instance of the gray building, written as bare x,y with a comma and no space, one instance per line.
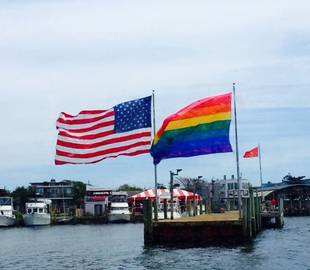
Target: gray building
60,193
223,193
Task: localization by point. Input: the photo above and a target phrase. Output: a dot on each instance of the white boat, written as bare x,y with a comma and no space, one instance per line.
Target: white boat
7,216
119,212
37,213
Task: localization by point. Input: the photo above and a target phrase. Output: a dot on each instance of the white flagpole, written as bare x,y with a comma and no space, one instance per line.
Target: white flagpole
155,166
237,154
260,171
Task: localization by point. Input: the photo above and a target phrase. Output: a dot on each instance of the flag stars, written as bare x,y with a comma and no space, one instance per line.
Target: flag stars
133,114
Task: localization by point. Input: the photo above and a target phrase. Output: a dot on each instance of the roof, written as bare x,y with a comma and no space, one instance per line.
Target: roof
165,193
92,188
284,186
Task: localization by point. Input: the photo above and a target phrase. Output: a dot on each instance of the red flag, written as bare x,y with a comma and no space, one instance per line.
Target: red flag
251,153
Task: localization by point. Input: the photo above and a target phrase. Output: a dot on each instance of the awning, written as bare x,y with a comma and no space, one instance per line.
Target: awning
265,193
180,194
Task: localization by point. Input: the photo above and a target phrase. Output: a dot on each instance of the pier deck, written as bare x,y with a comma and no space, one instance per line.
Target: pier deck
231,216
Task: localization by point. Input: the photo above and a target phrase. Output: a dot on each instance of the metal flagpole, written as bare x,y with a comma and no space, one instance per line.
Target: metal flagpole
260,171
155,166
237,153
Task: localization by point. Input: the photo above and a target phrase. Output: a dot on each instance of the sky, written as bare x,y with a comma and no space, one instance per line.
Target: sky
73,55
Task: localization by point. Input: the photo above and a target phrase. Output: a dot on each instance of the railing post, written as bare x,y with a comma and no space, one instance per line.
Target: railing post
244,218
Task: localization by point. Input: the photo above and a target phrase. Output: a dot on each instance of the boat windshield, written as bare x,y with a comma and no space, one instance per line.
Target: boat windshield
5,201
118,208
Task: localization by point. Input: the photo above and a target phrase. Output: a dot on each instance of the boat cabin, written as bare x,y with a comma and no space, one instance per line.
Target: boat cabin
37,207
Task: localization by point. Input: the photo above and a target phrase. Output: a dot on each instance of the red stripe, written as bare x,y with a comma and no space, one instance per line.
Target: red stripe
84,112
136,153
195,106
84,121
102,152
105,142
100,125
87,137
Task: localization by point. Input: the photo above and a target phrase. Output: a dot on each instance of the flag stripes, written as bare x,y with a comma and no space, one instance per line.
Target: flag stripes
90,137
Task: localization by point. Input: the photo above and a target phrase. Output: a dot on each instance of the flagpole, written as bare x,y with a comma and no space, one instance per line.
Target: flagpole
237,153
155,166
260,171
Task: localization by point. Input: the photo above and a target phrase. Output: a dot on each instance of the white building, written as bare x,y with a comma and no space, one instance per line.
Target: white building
96,200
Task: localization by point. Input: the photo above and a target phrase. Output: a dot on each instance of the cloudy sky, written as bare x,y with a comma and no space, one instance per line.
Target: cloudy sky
74,55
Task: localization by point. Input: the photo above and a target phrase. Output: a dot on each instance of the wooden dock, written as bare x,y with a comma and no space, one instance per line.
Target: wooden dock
226,228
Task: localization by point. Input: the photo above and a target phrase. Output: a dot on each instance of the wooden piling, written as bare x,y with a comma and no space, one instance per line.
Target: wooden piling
148,221
165,209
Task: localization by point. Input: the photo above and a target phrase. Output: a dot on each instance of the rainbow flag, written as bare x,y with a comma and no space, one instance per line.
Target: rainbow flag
201,128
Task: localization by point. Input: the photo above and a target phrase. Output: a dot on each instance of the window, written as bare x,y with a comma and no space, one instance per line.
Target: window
40,210
35,210
29,211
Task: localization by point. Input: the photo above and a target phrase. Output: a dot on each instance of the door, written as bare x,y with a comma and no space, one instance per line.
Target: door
98,210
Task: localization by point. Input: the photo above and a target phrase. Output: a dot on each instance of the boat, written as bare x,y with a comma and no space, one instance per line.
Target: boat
38,213
119,212
7,216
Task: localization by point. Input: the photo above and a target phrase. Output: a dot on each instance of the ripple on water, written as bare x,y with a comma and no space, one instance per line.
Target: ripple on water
121,247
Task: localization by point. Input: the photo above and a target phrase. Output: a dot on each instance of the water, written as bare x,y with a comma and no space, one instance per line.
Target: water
120,246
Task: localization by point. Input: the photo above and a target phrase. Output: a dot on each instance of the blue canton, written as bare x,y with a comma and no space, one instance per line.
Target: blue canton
132,115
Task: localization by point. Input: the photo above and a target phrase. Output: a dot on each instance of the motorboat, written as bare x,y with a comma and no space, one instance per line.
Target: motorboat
7,216
38,213
119,212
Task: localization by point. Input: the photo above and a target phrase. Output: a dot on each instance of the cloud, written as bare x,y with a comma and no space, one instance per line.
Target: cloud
68,56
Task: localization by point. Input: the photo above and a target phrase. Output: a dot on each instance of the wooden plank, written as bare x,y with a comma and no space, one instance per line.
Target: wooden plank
220,217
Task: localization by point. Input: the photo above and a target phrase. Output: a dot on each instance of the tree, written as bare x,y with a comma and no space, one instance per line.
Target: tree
192,184
4,193
79,191
21,195
127,188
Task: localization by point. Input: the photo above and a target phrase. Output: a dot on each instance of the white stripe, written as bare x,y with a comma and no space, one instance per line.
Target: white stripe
81,126
87,160
102,148
92,132
84,116
108,137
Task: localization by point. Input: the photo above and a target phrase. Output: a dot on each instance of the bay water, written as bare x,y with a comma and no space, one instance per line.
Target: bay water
120,246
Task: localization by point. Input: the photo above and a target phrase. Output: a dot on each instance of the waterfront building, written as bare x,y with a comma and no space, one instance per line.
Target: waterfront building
295,192
96,200
60,193
223,193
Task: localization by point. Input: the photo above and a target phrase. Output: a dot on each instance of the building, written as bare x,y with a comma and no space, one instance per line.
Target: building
60,193
295,192
96,200
224,192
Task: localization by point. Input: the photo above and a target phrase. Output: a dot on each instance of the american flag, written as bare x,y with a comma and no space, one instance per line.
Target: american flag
92,136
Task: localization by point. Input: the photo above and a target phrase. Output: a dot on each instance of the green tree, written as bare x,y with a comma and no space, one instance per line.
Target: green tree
127,188
4,193
79,191
21,195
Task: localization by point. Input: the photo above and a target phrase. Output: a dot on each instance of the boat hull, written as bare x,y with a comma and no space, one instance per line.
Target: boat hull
6,221
37,219
119,218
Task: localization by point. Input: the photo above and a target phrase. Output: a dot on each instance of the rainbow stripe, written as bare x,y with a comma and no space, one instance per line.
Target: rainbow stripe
199,129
